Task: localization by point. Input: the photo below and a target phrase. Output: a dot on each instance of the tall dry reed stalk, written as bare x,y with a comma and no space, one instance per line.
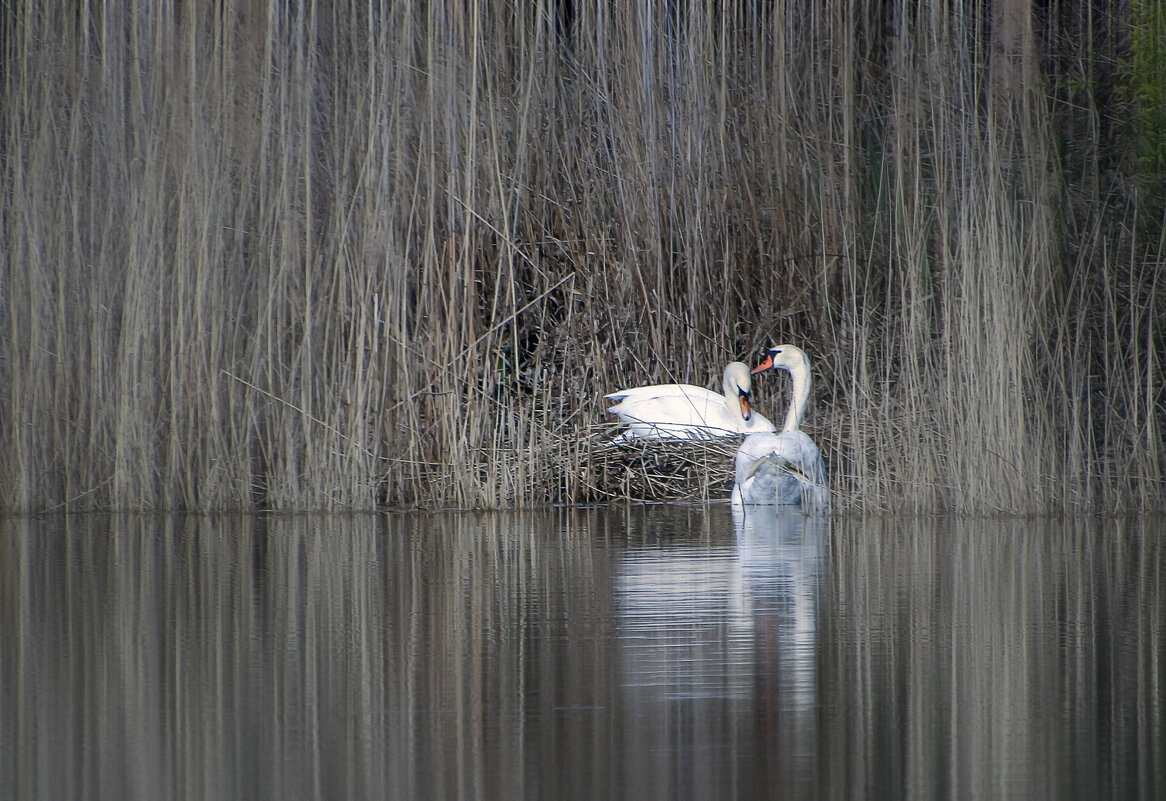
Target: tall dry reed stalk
334,255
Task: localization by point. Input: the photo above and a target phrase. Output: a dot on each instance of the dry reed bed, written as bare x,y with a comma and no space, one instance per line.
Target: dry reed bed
349,254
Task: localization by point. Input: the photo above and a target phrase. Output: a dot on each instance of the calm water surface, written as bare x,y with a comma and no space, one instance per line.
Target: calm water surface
663,652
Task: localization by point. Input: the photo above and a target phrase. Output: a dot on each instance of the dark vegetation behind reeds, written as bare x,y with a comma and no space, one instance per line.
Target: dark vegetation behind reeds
330,255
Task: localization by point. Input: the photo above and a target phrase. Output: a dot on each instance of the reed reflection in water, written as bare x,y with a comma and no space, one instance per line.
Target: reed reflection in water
646,652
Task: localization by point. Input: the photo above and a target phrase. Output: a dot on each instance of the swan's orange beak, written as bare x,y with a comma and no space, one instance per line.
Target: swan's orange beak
746,407
765,365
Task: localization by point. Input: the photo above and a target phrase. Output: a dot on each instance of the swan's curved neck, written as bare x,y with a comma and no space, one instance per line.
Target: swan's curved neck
803,382
737,381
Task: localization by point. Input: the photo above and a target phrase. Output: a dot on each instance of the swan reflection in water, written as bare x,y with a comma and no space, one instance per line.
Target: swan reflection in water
719,641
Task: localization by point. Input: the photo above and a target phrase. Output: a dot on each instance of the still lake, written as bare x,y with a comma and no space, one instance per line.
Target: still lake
629,652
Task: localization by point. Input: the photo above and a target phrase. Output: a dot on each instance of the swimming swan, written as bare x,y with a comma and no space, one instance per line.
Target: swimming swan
786,467
684,411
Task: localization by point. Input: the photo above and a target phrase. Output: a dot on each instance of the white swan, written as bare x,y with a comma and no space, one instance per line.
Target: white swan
786,467
684,411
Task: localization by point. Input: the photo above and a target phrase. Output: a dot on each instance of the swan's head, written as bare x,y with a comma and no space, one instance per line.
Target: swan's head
785,357
739,384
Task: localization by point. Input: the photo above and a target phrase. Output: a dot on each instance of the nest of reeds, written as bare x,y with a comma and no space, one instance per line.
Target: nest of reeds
662,470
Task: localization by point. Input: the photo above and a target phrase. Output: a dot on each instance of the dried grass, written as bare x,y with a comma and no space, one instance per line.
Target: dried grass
356,254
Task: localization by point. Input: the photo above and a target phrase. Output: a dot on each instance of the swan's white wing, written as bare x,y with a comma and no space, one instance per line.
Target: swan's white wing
780,469
666,393
680,411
